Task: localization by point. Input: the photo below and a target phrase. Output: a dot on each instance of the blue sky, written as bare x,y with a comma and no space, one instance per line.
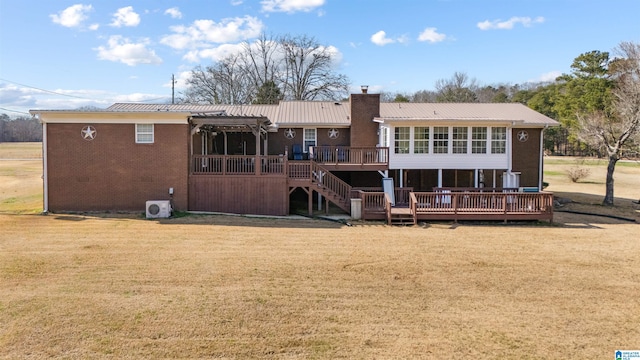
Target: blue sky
65,54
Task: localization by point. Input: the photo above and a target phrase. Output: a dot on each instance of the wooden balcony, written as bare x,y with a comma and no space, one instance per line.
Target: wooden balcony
347,158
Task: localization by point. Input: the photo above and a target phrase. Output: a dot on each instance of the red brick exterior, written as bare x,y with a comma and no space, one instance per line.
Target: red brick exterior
364,107
112,172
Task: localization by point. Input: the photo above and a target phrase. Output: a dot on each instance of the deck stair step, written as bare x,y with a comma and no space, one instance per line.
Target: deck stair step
401,216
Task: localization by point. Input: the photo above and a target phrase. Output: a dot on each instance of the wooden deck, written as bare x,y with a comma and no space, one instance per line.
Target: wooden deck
232,176
459,206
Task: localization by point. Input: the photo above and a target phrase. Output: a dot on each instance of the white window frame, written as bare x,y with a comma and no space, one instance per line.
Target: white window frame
456,143
479,144
141,133
421,143
401,145
435,139
500,144
307,140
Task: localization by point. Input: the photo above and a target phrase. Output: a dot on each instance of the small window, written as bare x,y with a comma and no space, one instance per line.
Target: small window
460,140
421,140
144,133
309,139
402,139
479,140
498,140
440,140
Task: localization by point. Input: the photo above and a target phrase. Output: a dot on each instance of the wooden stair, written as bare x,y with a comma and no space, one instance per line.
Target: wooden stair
331,187
401,216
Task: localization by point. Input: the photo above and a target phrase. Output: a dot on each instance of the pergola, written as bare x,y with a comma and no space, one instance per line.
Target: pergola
220,123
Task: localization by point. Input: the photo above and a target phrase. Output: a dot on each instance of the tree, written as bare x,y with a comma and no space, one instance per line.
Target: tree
401,98
226,82
309,73
268,93
459,88
619,129
262,62
585,90
269,70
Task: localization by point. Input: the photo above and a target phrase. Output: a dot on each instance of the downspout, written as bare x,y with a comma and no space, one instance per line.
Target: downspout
510,149
540,162
45,176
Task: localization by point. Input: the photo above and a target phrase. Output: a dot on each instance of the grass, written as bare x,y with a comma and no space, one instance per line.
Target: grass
205,286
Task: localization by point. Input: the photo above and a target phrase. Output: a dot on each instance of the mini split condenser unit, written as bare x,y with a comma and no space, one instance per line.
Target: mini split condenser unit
158,209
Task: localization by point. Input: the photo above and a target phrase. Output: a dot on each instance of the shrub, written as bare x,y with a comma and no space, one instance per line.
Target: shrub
577,173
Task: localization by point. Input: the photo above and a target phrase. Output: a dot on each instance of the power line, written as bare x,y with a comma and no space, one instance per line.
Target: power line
15,111
44,90
72,96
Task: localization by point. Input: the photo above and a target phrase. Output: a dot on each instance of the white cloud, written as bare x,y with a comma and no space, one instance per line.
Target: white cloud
509,24
431,35
203,33
73,16
550,76
380,38
94,26
290,6
236,2
122,50
125,17
215,53
174,12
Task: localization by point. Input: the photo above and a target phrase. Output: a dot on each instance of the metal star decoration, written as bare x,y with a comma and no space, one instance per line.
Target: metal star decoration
333,133
88,132
523,136
289,133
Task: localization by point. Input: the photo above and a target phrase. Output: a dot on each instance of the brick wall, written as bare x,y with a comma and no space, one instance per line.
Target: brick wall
364,107
526,156
112,172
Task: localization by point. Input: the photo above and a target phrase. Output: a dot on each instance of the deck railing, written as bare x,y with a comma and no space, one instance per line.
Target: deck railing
237,165
484,205
401,195
299,170
371,155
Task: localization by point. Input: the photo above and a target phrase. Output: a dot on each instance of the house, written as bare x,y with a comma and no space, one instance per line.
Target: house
259,159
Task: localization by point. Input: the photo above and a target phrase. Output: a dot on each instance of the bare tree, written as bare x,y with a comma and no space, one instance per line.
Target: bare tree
226,82
262,61
619,130
459,88
309,70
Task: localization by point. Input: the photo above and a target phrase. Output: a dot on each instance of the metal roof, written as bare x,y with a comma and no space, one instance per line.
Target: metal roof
230,110
337,114
462,112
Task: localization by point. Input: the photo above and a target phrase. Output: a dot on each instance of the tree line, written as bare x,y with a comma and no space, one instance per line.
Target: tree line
20,129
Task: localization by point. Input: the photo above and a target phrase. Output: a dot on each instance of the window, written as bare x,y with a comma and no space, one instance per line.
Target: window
440,140
478,140
144,133
384,134
402,138
498,140
460,140
421,140
309,138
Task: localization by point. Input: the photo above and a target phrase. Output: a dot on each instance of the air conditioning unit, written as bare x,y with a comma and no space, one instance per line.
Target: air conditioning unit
158,209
